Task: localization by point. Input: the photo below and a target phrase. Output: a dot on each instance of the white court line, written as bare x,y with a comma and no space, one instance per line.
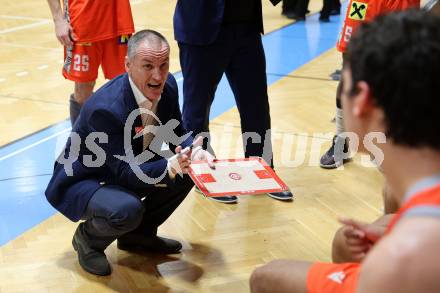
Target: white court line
22,17
46,139
23,73
34,144
26,26
42,67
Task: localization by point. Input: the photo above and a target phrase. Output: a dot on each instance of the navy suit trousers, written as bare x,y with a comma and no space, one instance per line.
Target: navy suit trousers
114,211
238,52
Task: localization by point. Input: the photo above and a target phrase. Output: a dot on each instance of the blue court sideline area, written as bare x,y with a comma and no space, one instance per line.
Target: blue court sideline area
26,165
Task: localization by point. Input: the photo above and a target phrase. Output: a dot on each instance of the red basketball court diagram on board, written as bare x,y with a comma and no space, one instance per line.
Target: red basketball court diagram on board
236,177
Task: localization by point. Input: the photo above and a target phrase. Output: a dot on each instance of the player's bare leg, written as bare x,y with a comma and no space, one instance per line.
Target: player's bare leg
280,276
82,91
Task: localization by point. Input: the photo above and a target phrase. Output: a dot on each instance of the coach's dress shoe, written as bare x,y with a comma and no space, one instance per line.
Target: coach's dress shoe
333,158
154,244
284,195
222,199
91,259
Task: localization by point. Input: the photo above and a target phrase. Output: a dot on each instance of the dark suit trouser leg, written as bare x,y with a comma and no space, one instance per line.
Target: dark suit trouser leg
288,5
114,211
301,7
246,74
111,212
326,8
336,4
202,69
160,203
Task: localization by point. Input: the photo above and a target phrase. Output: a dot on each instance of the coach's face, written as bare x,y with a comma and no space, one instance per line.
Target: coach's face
148,68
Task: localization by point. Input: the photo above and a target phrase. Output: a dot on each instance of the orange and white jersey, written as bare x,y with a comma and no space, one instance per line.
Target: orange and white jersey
360,11
422,200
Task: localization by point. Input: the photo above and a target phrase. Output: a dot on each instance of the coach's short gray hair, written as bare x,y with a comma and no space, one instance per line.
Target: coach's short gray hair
149,35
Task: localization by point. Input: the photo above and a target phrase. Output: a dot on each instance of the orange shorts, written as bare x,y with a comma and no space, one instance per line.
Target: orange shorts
82,60
330,277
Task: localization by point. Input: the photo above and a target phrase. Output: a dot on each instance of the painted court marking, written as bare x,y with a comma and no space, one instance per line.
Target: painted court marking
23,27
23,73
34,144
23,17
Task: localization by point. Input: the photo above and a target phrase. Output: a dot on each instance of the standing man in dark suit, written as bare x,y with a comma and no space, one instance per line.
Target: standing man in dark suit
224,36
125,185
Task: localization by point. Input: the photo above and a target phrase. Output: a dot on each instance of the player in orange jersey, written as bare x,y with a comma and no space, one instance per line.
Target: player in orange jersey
93,33
390,86
358,11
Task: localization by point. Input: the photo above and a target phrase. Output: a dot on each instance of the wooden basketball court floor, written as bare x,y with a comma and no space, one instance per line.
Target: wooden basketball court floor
222,243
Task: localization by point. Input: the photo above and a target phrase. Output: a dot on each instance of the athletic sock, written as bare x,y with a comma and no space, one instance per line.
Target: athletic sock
75,108
339,118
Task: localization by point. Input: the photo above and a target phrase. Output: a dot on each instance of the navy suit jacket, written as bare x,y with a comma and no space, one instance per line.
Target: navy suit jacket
107,111
198,22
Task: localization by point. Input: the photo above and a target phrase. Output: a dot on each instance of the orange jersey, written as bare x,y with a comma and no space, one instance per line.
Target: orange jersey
343,278
366,10
94,20
427,198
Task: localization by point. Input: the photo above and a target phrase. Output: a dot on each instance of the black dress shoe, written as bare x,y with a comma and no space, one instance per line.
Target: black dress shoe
284,195
91,259
324,19
293,15
222,199
297,18
335,11
287,12
154,244
332,160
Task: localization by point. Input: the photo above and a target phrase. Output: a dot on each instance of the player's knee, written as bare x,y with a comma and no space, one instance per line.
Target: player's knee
256,282
261,279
